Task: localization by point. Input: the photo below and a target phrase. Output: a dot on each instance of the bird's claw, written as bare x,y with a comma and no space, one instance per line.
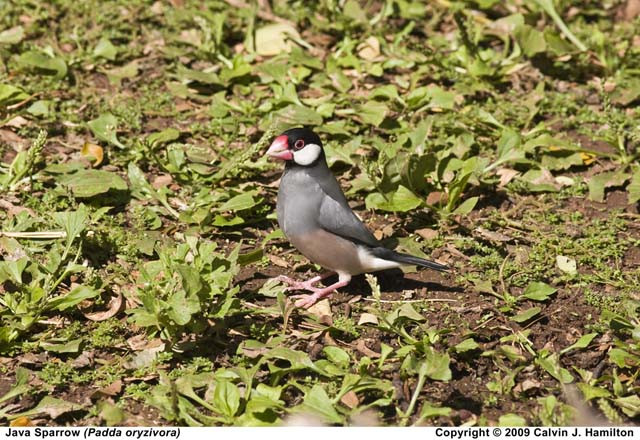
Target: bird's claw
297,285
305,301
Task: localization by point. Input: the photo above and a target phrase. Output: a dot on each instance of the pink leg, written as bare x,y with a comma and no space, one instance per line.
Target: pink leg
303,285
307,301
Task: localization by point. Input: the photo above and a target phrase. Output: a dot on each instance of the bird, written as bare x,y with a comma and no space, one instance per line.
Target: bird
314,215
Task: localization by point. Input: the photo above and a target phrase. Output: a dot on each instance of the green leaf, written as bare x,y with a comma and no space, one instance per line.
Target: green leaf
530,40
538,291
526,315
104,128
240,202
434,411
316,401
182,307
373,112
402,200
511,420
50,406
466,207
105,49
68,347
76,296
40,62
633,188
598,183
226,398
110,413
73,222
629,405
163,137
10,94
337,355
551,365
12,36
592,392
466,345
436,365
89,183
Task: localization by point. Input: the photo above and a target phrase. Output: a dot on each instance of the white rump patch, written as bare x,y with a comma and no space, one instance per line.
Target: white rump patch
371,263
307,155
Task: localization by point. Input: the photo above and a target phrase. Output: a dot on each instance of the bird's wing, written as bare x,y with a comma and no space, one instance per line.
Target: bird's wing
337,217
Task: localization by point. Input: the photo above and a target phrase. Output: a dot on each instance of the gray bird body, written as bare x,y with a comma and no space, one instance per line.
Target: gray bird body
314,215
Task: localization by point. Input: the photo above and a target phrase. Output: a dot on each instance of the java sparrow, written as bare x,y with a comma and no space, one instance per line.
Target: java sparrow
314,215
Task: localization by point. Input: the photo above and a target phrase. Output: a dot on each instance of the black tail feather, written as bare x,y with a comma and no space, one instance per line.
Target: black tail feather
388,254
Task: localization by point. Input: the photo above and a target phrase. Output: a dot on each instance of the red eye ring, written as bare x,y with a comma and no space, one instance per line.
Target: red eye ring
299,144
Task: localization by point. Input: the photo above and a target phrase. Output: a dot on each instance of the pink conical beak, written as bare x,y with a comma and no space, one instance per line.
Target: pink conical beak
280,148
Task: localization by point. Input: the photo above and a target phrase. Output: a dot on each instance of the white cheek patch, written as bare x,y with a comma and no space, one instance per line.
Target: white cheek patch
307,155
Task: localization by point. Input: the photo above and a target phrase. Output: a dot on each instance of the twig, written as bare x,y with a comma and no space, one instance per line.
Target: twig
411,300
34,235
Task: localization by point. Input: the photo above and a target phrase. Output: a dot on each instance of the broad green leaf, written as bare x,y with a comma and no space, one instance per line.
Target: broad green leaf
402,200
67,347
511,420
538,291
551,365
10,94
317,402
76,296
592,392
20,387
89,183
436,365
633,188
429,410
105,49
73,222
41,62
226,398
598,183
104,128
12,36
111,414
530,40
526,315
466,207
182,307
373,112
629,405
163,137
240,202
50,406
298,115
337,355
466,345
12,270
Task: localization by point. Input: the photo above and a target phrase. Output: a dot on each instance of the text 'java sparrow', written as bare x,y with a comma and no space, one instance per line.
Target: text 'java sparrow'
314,215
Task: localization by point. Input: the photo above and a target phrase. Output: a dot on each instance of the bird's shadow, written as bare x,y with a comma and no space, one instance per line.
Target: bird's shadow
392,280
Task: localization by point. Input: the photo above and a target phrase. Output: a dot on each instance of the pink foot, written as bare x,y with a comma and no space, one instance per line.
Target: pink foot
300,285
306,301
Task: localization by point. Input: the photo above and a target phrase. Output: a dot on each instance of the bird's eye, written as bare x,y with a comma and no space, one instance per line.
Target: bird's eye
299,144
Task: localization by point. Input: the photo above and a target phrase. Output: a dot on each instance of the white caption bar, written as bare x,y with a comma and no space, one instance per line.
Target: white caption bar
307,433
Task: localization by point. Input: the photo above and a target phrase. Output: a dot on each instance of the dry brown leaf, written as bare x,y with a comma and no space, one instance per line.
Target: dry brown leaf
350,399
427,233
362,348
370,49
115,305
506,176
435,197
113,389
161,180
492,235
94,151
16,122
368,318
322,309
278,261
